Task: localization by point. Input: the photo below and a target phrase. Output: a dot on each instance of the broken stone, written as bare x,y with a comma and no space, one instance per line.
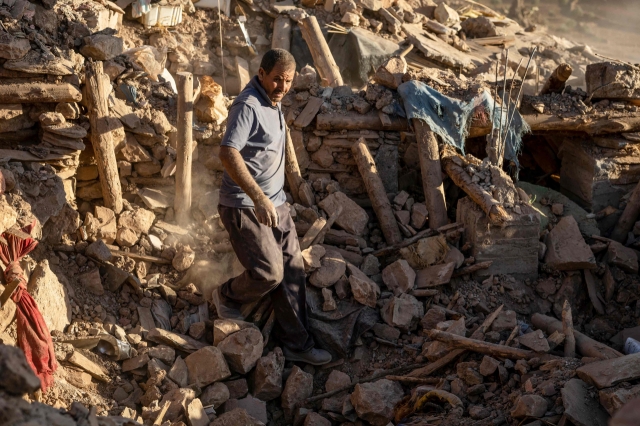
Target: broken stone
312,256
488,366
135,363
351,18
237,388
529,406
98,250
8,215
419,215
370,265
102,47
92,282
196,414
51,296
439,349
374,402
535,341
126,237
315,419
557,209
506,321
612,80
163,353
139,220
332,267
580,405
610,372
242,349
255,407
236,417
614,399
329,303
566,249
306,78
215,394
96,371
364,290
17,376
433,316
399,277
402,312
446,15
184,258
390,75
222,328
336,380
207,365
267,377
623,257
353,218
179,400
299,387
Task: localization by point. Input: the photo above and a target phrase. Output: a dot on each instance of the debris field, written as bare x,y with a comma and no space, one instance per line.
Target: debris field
465,189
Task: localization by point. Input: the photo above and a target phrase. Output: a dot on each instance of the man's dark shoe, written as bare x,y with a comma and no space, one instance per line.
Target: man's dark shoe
225,311
313,356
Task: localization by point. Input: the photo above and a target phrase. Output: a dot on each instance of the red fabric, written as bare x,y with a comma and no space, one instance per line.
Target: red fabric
33,334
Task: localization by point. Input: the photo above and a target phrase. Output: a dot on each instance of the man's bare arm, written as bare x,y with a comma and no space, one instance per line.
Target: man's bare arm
236,168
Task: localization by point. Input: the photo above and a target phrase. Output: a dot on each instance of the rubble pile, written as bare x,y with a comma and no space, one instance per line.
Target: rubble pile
514,311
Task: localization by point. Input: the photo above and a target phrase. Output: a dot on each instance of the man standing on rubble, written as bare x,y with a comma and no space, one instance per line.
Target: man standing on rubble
253,210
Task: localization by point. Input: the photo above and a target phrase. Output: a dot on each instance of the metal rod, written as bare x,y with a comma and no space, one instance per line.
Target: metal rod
495,102
509,103
504,92
526,71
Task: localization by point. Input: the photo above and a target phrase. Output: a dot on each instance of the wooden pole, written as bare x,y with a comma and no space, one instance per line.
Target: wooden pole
557,80
585,345
376,191
567,330
431,174
479,346
98,89
281,38
182,203
322,57
628,218
38,92
300,189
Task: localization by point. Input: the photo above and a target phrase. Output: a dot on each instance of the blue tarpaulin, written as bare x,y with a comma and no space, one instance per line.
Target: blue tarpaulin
450,118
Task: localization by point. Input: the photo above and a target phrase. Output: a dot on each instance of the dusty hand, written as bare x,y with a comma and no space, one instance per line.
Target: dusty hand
265,212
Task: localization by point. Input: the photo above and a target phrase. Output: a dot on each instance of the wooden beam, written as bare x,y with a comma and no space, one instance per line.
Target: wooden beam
300,189
377,193
322,57
431,174
29,93
182,200
98,87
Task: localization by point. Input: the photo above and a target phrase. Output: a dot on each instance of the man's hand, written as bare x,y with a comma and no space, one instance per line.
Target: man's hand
265,212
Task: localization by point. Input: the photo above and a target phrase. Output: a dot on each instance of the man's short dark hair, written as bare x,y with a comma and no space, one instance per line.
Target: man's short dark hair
277,56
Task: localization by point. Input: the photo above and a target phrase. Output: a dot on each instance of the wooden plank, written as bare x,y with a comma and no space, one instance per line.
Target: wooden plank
14,154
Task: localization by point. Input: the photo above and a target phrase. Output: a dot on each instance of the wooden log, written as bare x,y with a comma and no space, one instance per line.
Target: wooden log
628,218
322,57
538,123
452,355
487,203
312,233
349,256
431,174
479,346
472,268
386,251
567,330
319,239
376,191
98,87
424,293
585,345
300,189
182,200
557,80
414,380
143,257
353,121
281,38
29,93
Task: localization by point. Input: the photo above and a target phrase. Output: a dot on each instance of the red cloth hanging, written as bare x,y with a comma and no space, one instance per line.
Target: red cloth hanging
33,334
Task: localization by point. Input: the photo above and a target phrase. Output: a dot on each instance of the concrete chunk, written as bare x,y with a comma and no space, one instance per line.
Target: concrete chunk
353,218
622,257
299,387
529,406
580,405
267,377
374,402
535,341
242,349
207,365
607,373
402,312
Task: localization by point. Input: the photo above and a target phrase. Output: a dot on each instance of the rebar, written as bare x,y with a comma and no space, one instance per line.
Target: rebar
504,91
509,102
526,71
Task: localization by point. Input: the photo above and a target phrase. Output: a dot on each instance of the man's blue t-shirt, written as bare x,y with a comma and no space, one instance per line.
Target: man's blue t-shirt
256,128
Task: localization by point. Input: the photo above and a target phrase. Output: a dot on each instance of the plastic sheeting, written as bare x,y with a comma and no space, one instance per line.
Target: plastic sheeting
338,330
450,118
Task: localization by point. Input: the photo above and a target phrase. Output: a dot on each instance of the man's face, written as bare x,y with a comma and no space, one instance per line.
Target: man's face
278,82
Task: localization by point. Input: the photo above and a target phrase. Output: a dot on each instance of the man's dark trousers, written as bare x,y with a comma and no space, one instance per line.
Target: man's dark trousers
273,263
